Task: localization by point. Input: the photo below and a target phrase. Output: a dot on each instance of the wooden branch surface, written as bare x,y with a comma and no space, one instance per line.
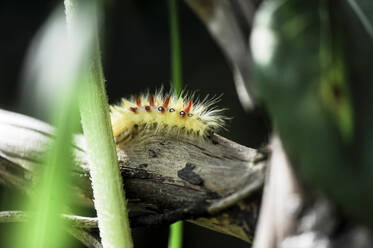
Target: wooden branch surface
215,183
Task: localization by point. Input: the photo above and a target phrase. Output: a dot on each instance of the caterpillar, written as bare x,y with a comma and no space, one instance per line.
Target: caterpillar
166,114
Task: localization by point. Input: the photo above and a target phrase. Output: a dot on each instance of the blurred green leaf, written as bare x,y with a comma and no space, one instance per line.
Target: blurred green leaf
49,195
306,56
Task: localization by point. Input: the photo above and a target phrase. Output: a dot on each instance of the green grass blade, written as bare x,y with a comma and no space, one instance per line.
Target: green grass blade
50,182
45,228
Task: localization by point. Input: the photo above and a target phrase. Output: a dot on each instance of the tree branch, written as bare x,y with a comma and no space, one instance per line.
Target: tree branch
215,183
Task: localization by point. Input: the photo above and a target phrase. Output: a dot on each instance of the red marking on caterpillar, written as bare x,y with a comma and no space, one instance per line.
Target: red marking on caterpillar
187,109
151,100
166,101
138,101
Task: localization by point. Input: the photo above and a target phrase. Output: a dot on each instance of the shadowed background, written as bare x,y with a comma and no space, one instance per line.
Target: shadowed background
136,56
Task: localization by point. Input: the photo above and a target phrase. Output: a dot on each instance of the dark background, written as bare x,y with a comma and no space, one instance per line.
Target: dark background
136,56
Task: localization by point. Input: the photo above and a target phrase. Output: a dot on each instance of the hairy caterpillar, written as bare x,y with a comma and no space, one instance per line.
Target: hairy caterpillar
166,114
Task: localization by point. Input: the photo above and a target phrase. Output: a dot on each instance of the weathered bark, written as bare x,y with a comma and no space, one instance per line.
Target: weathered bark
214,183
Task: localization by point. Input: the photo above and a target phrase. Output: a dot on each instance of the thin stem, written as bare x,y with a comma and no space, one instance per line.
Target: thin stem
176,230
176,235
109,197
175,47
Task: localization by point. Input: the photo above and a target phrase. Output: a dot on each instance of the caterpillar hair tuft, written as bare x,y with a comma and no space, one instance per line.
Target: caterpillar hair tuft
166,114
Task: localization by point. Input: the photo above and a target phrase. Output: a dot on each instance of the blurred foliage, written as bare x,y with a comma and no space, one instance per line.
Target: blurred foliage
313,67
53,72
50,197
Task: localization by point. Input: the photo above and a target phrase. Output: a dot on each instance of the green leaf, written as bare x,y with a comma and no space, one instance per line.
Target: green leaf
313,68
52,67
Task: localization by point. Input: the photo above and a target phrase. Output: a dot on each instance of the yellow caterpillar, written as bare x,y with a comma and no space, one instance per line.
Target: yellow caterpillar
167,114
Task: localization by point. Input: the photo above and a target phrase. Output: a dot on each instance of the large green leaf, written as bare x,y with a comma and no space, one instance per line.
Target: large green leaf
312,62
